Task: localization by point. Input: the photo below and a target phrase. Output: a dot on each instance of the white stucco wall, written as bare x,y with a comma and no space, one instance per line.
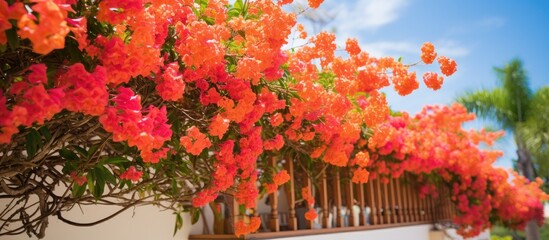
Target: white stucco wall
420,232
149,223
145,222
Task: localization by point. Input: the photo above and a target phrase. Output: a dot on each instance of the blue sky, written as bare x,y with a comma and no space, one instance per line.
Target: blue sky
477,34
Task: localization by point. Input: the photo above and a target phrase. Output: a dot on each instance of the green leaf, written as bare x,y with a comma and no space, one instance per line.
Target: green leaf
44,131
91,181
33,142
178,223
195,215
78,191
13,39
239,5
233,12
109,177
68,155
241,209
69,167
99,183
81,150
114,160
93,149
174,186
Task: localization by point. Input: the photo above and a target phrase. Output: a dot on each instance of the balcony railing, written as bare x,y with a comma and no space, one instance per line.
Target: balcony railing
340,204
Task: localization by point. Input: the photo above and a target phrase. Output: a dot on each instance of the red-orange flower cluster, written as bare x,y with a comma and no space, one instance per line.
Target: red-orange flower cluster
428,53
131,174
235,98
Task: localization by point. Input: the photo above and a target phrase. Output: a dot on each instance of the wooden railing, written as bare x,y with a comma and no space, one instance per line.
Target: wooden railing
341,206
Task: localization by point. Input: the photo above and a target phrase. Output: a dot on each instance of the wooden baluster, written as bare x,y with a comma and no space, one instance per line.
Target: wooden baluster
404,194
349,197
448,202
428,209
371,202
379,211
308,184
421,206
361,204
235,213
444,204
392,201
337,193
292,219
386,205
400,203
273,200
442,211
414,204
324,200
438,204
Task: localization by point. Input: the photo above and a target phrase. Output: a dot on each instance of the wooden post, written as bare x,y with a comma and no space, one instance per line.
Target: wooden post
386,205
405,206
413,201
273,200
421,207
324,200
308,184
337,193
292,219
430,208
379,206
349,195
361,203
371,202
400,203
392,201
235,213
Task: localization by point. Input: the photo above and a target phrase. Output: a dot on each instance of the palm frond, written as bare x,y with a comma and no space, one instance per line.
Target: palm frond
514,80
535,131
489,104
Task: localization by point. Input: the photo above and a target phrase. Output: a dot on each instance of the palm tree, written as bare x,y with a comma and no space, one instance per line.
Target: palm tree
521,112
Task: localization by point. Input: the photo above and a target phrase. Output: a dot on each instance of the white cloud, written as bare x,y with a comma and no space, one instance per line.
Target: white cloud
451,48
391,48
448,48
492,22
370,14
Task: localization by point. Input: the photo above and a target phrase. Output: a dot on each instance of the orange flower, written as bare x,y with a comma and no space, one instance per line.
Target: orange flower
195,141
15,11
131,174
447,66
352,47
432,80
362,158
311,215
428,53
248,69
307,196
50,33
243,228
360,175
276,119
281,177
219,126
315,3
271,187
